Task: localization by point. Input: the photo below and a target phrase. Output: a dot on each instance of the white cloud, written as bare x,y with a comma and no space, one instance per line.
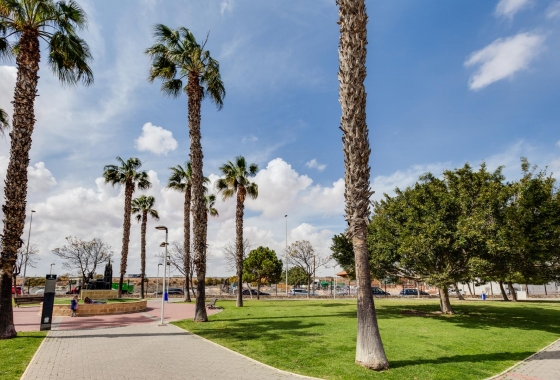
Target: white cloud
508,8
249,139
155,139
313,164
503,58
40,178
226,5
553,10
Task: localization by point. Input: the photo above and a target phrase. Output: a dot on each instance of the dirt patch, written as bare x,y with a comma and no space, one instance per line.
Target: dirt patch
420,313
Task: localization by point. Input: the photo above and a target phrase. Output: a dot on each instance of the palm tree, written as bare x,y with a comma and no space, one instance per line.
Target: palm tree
180,180
129,176
143,206
177,58
22,24
351,75
236,181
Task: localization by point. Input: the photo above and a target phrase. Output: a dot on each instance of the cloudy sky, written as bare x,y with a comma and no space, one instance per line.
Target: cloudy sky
448,82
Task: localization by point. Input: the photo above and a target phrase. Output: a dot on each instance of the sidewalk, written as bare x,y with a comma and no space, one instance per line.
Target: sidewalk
141,351
544,365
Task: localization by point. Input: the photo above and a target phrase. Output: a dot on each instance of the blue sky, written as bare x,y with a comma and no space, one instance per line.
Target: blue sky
448,82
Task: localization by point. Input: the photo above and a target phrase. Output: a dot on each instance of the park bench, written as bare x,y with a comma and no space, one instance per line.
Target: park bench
212,304
28,300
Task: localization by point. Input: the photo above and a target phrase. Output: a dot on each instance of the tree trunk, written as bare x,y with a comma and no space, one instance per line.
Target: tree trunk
474,288
258,290
512,292
459,295
444,303
308,285
15,189
351,76
239,242
143,250
128,191
250,290
504,294
470,291
187,240
198,205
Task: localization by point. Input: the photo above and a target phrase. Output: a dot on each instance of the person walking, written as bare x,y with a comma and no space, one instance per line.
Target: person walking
74,305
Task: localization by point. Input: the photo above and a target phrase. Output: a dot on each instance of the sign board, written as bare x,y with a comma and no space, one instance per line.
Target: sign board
48,302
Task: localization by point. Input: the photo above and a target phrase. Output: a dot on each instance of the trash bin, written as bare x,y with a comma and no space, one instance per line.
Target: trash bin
483,296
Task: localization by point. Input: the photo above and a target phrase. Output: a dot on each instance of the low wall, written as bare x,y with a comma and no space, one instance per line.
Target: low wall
99,294
88,310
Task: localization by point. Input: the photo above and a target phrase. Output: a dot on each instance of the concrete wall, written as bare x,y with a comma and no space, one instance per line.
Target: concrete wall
99,295
88,310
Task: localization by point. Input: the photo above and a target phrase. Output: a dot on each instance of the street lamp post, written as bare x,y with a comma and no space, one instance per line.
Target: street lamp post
163,293
286,216
51,268
27,254
157,280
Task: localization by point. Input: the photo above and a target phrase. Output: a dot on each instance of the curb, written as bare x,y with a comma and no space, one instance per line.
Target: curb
34,355
246,357
495,377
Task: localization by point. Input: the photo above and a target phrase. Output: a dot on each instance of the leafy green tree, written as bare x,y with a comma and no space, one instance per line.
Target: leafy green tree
129,175
176,58
262,266
343,253
236,181
296,276
144,207
22,24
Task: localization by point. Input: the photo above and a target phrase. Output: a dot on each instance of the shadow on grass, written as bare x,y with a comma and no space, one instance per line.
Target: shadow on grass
501,356
484,316
269,329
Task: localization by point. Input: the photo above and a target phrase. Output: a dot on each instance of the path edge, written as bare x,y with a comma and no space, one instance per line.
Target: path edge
247,357
495,377
34,355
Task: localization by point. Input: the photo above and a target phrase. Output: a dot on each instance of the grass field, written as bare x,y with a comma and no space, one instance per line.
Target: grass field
317,338
15,354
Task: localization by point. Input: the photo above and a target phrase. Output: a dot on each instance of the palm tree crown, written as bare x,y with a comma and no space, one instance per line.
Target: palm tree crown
236,177
144,204
209,202
175,56
127,173
54,22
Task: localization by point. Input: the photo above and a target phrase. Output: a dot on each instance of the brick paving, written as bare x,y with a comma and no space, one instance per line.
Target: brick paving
544,365
141,351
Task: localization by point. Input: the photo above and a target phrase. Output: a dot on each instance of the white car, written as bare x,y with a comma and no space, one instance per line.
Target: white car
301,292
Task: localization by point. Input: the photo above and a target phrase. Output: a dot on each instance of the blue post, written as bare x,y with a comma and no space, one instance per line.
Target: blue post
165,297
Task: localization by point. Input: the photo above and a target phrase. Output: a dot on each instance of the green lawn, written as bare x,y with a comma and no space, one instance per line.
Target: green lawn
317,338
15,354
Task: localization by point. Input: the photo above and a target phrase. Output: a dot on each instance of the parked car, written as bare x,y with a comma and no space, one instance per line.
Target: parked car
254,292
41,292
75,290
452,292
171,291
412,292
16,290
301,292
376,291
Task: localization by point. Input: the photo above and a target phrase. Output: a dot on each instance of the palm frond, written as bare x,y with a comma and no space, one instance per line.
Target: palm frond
154,214
252,190
4,123
68,59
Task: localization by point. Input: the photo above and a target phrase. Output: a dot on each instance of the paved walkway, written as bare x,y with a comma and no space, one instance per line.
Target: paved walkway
544,365
142,351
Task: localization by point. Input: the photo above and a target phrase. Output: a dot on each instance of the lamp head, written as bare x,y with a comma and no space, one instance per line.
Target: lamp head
161,228
32,210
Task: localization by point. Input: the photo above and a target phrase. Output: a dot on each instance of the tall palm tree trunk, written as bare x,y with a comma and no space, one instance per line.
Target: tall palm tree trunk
143,250
15,190
126,232
187,241
239,243
198,208
351,75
